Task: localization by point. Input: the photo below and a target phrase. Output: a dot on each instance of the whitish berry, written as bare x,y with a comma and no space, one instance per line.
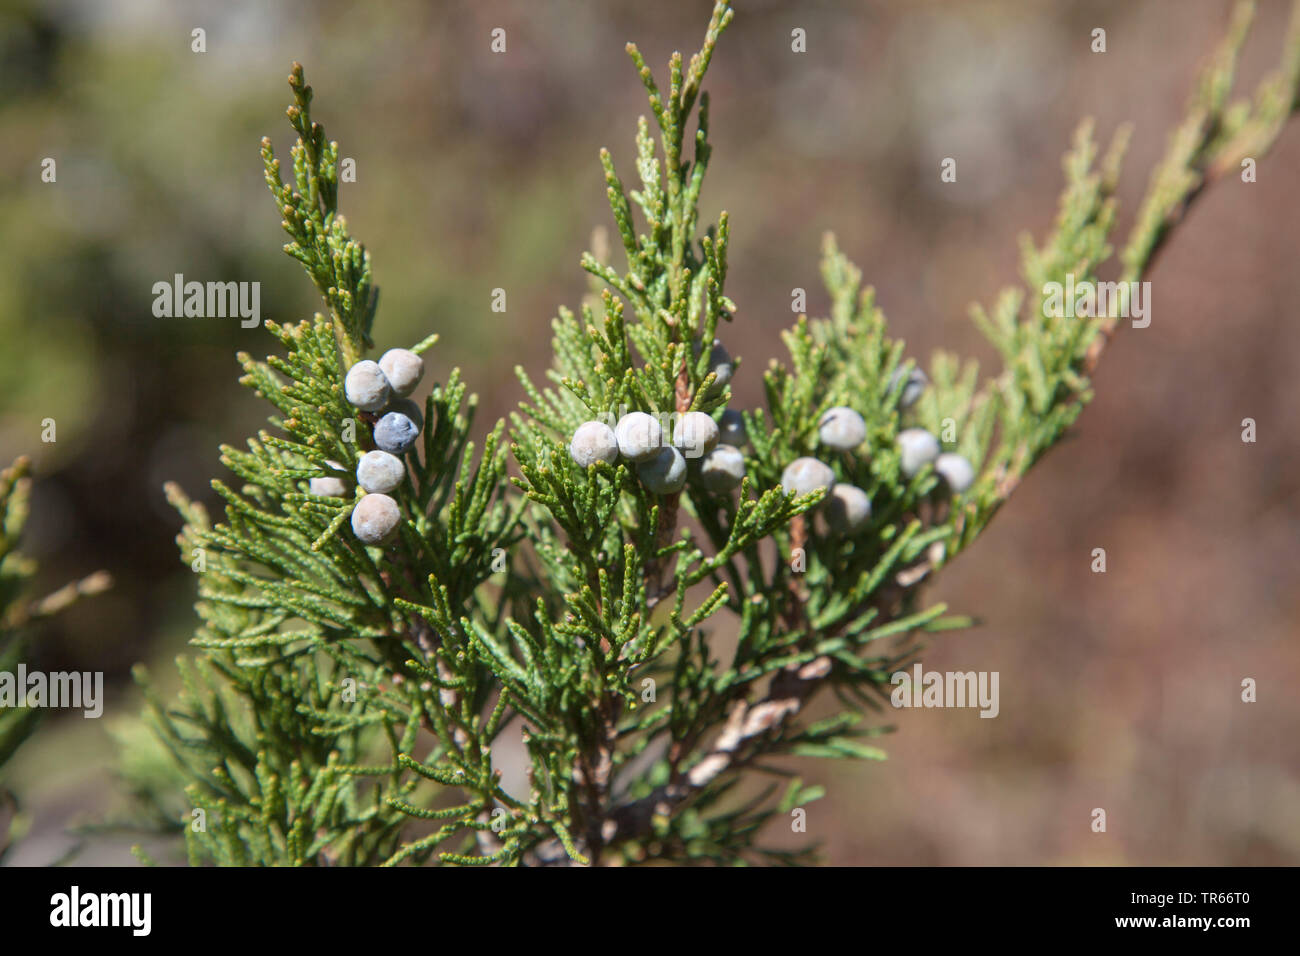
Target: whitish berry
403,368
842,429
912,388
375,518
665,472
408,408
847,508
378,471
805,475
731,429
639,436
366,386
329,486
956,471
722,469
593,442
395,433
918,448
696,434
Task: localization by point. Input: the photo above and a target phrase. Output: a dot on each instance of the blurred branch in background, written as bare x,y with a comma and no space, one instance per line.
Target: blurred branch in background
17,610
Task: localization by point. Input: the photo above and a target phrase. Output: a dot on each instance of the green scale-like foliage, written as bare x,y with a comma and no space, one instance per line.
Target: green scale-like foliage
611,591
324,697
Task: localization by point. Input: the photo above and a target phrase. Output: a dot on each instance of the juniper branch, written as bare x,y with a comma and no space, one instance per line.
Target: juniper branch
621,587
1211,140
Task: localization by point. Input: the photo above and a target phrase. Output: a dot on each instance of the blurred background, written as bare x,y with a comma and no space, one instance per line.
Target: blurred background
478,171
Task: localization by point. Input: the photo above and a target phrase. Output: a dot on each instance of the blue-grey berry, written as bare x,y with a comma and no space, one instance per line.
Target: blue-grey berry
395,433
912,388
375,518
695,434
917,448
841,429
722,469
805,475
328,486
592,442
408,408
378,471
366,386
639,436
731,429
956,471
720,364
847,508
403,368
665,473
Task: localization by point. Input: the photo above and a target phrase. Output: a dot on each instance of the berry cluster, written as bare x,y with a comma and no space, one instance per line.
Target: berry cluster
712,447
848,506
842,429
638,438
380,389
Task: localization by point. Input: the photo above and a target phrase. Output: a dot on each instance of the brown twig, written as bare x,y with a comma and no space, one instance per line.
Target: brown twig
595,766
668,508
741,741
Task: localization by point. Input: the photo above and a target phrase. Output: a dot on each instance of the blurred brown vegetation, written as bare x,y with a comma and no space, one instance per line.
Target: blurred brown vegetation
477,171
